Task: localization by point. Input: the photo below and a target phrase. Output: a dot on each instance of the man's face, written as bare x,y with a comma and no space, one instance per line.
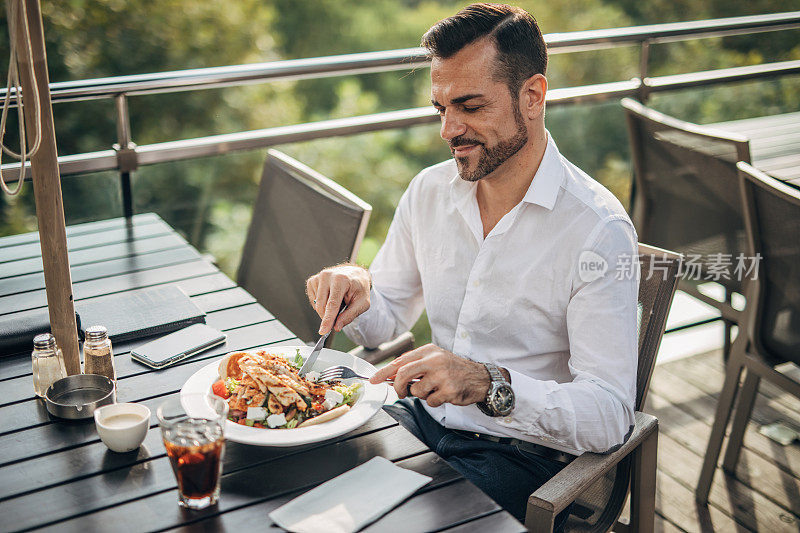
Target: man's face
481,121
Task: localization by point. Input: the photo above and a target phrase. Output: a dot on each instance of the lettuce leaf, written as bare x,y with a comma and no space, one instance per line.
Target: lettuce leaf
350,392
298,360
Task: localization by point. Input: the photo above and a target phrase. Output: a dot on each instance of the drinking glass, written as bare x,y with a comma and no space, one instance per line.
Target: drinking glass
192,427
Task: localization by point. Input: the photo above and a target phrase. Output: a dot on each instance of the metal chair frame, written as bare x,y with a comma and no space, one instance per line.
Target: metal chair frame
639,208
748,353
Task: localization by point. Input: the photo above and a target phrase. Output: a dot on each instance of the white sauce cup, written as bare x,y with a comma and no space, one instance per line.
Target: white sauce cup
122,437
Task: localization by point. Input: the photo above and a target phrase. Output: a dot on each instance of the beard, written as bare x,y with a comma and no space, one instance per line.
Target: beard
494,156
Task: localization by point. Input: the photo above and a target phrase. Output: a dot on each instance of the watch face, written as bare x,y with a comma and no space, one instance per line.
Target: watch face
503,399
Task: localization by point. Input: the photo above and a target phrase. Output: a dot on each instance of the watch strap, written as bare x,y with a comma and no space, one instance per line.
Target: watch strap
494,373
485,409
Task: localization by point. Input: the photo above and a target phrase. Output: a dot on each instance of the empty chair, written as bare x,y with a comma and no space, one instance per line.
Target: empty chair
686,198
599,484
302,222
771,322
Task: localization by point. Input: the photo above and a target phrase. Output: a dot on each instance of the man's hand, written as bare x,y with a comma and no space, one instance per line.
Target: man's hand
326,291
444,377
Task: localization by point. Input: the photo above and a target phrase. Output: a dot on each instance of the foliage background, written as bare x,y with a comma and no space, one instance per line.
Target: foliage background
210,200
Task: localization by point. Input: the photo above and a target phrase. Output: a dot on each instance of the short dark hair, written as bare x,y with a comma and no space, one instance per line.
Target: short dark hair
521,51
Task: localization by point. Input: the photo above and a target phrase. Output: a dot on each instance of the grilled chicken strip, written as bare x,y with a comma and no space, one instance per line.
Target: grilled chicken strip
274,405
267,380
290,382
247,394
285,395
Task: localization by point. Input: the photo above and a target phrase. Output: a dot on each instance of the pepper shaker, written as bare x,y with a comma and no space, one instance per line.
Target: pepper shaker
48,363
98,356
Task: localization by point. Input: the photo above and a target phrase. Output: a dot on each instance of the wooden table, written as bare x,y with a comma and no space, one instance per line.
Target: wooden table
774,143
57,474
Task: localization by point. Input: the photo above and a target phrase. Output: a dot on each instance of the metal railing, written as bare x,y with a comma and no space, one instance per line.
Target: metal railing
126,157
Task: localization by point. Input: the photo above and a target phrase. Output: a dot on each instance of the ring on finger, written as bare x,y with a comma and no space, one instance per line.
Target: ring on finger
409,384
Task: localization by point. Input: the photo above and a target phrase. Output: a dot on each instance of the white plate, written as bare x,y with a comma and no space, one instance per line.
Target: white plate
370,401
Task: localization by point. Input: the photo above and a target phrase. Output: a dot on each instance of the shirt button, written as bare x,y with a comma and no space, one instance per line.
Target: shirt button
507,419
464,334
476,283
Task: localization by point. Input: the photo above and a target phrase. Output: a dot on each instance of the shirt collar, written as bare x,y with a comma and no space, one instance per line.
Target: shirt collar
542,191
549,177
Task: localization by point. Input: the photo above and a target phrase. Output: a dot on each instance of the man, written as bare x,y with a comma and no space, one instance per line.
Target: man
534,358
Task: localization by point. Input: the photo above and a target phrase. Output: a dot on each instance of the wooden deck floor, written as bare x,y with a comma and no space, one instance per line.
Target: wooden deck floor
765,493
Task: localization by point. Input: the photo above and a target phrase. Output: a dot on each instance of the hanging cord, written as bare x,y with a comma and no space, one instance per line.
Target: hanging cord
13,81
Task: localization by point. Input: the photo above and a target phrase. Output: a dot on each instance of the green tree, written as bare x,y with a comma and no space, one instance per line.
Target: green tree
100,38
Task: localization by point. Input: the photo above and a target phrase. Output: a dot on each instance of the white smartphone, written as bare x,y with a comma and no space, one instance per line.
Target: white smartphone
178,345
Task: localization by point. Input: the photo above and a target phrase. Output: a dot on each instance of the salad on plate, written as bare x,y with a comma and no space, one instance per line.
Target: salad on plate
266,391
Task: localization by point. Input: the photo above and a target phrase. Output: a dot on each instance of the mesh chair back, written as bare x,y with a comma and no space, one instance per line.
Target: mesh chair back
302,222
657,284
599,507
685,189
772,213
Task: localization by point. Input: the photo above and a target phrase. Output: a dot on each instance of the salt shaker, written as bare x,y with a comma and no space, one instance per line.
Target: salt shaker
48,363
98,357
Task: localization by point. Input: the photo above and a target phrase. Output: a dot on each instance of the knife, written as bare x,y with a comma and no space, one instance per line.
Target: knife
309,362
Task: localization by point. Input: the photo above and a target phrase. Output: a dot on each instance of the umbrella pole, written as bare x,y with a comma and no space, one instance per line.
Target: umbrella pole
47,188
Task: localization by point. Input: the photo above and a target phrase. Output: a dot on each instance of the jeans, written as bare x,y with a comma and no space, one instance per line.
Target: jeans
503,471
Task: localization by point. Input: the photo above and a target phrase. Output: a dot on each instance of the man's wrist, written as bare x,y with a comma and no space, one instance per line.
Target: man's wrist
368,276
506,373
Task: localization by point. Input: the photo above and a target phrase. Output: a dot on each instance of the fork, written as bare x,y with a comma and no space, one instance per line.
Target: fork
343,372
339,372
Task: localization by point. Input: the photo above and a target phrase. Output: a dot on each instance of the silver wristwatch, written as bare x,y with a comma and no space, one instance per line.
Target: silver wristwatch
500,398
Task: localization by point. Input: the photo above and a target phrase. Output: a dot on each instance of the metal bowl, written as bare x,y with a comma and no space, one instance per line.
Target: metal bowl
78,396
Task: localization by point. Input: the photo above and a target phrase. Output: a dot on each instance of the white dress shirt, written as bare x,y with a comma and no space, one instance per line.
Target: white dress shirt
519,299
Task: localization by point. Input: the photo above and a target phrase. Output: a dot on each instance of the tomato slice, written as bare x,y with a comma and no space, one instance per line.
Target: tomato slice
220,389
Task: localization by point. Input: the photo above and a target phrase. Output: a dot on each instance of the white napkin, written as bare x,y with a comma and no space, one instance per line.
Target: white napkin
350,501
